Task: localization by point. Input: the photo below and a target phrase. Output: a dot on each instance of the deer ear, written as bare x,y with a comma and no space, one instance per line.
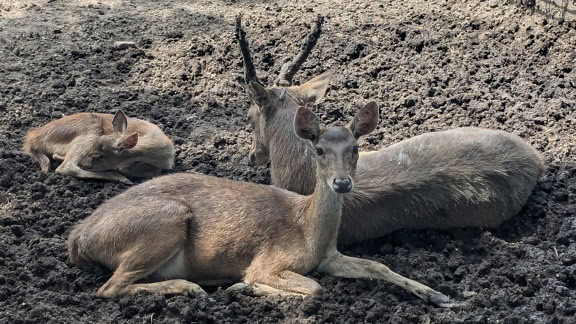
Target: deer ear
119,123
315,89
306,125
127,142
365,120
260,96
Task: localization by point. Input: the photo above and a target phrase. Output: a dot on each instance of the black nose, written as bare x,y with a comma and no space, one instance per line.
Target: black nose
342,185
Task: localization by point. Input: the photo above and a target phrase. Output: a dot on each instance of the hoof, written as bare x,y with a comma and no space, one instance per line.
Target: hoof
258,290
242,287
181,286
441,300
125,181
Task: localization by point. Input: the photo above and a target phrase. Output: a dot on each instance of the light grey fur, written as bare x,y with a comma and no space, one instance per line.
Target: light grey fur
454,178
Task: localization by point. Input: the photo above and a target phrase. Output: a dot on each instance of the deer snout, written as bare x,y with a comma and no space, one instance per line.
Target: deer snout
342,185
257,158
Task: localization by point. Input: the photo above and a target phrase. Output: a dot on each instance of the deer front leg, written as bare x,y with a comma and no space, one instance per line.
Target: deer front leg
286,283
257,289
349,267
58,157
69,167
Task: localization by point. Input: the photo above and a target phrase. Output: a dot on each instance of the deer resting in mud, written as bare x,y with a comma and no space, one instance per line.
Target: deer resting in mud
101,146
186,227
454,178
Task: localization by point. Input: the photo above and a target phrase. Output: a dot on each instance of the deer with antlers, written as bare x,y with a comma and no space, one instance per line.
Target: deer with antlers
454,178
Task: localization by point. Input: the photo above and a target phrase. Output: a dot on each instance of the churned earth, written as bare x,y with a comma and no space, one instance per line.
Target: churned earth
431,65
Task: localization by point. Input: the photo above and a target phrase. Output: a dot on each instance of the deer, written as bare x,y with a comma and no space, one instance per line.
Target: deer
101,146
460,177
181,230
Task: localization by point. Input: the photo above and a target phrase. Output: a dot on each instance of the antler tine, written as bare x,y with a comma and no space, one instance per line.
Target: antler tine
249,70
289,69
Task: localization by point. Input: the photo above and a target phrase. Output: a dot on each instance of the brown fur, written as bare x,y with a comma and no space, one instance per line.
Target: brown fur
192,227
101,146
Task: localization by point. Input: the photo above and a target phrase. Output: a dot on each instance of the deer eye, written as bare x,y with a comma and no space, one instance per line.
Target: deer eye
319,151
355,149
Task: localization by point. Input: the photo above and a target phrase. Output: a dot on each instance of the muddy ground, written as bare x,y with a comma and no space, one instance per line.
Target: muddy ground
431,65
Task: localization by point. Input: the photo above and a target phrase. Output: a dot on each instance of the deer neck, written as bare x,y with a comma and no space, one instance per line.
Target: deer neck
289,153
322,216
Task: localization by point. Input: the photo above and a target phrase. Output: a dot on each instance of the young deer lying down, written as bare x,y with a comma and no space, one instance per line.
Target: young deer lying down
101,146
455,178
210,230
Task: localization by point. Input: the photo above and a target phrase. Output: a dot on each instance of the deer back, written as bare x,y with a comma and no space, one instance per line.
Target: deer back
54,137
455,178
233,221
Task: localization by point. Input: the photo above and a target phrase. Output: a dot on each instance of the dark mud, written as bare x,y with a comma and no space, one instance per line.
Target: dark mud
432,65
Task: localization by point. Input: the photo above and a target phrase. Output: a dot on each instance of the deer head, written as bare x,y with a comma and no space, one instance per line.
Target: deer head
273,107
336,147
108,151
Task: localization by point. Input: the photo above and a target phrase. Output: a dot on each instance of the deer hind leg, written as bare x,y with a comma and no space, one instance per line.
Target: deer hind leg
122,283
349,267
142,262
145,247
285,283
42,159
139,170
168,287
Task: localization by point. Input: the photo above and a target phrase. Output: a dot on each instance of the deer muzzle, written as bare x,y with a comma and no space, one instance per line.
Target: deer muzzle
342,185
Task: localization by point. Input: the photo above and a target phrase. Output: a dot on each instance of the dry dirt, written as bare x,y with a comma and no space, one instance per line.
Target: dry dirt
431,65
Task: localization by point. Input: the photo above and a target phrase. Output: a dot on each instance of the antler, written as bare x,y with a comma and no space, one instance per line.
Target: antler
289,69
250,71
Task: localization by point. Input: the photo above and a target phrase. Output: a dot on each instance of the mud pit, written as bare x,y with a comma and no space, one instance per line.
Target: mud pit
432,65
